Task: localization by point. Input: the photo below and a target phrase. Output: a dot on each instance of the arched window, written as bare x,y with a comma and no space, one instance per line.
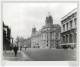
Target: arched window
67,26
71,24
64,27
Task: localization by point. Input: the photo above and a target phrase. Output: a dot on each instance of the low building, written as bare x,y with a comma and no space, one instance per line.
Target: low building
48,36
68,31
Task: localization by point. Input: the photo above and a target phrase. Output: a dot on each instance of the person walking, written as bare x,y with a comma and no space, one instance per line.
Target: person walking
15,50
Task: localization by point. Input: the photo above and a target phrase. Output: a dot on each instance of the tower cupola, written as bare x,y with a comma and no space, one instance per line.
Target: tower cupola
49,20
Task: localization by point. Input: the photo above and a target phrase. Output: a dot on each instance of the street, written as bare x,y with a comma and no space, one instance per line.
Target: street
9,55
52,54
45,54
39,32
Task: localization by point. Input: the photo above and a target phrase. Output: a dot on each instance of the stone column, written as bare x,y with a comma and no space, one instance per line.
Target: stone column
54,39
75,37
68,38
64,38
72,37
49,39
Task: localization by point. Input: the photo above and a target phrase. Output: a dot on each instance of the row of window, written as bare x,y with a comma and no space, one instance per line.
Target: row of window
69,25
45,37
69,38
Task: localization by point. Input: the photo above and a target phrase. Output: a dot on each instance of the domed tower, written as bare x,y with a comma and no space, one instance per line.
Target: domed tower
33,30
49,20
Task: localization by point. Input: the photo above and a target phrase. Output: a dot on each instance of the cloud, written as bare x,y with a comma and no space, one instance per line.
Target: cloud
21,17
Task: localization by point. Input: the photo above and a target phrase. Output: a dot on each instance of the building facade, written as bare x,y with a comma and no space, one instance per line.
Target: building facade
27,43
48,36
68,29
23,42
6,37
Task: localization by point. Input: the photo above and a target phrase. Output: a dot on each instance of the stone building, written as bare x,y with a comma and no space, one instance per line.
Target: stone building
27,43
23,42
48,36
68,31
6,37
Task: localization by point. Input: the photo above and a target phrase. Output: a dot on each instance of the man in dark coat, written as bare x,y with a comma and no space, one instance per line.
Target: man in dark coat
15,49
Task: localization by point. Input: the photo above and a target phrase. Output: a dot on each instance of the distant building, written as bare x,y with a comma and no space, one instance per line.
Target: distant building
48,36
27,43
68,31
6,37
24,43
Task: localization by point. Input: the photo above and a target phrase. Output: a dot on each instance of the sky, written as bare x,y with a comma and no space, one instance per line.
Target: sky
22,17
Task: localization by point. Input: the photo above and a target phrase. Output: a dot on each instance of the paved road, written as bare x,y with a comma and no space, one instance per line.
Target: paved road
42,55
52,54
21,56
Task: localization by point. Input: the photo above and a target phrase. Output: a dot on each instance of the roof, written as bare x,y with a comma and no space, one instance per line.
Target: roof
70,13
53,26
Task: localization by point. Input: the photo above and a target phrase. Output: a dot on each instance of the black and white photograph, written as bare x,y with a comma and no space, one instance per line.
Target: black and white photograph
39,31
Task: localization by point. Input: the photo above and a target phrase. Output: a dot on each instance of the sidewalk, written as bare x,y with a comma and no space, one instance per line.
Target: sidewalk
51,54
9,55
21,56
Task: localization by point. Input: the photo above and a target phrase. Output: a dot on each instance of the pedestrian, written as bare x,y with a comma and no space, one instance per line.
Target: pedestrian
15,48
